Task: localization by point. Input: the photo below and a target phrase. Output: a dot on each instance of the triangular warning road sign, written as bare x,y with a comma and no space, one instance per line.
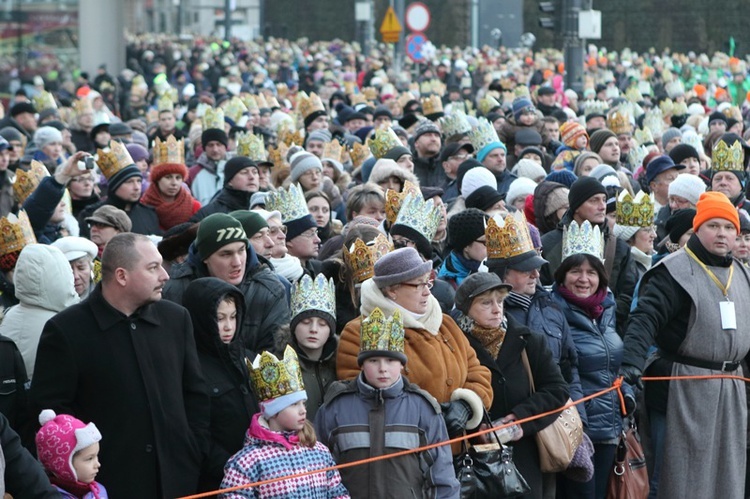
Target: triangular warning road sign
390,22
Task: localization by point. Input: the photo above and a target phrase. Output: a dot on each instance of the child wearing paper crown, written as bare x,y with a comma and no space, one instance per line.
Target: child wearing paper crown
281,441
69,449
379,413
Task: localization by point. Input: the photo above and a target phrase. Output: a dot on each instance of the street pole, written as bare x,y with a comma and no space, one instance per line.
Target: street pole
475,23
399,47
573,46
227,19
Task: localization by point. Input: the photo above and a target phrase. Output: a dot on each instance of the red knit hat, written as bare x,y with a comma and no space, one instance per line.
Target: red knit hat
715,205
570,131
158,171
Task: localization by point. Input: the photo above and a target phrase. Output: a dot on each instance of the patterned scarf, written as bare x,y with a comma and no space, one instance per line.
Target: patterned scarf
169,213
491,338
78,489
518,300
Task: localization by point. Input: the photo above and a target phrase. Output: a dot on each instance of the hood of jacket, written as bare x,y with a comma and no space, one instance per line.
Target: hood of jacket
206,163
43,278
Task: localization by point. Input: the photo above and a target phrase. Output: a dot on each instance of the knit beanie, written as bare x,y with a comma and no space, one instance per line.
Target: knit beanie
47,135
465,227
59,438
599,137
583,189
520,104
475,178
9,133
679,223
425,126
401,265
252,222
463,168
689,187
330,320
715,205
556,199
236,165
681,152
570,131
484,198
302,162
530,169
120,177
214,134
321,135
297,226
669,134
216,231
138,152
519,188
602,171
563,177
159,171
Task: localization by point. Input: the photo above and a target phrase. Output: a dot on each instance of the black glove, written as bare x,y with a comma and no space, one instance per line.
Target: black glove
630,405
632,375
456,414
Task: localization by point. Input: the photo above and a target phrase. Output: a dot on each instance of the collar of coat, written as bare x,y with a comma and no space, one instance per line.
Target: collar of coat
108,316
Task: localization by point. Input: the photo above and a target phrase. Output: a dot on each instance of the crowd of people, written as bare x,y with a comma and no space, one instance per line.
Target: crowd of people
244,261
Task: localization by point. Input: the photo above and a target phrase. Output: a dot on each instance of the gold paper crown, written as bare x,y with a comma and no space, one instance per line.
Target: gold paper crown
361,258
419,215
633,94
170,151
260,101
380,334
165,103
425,87
728,158
358,154
370,93
316,294
666,107
282,89
213,118
272,102
114,160
235,109
521,91
618,122
43,101
508,237
277,155
250,101
482,135
355,99
273,377
251,146
635,212
487,104
309,105
27,181
455,124
432,105
289,202
291,137
394,199
383,141
83,106
405,98
679,109
582,239
15,233
332,151
643,136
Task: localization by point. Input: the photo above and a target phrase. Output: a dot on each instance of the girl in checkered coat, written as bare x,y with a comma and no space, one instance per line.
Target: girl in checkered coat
281,441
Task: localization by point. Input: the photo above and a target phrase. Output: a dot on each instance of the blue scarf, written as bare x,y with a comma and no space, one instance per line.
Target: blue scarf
457,268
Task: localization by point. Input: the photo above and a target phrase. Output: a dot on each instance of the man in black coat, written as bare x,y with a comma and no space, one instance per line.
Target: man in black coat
241,181
20,474
127,360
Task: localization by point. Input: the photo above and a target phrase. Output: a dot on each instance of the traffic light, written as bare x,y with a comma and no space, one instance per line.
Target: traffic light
547,22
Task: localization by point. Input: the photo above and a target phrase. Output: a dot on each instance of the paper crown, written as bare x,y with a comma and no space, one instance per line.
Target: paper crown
675,88
333,151
635,212
114,160
277,155
213,118
666,106
251,146
636,155
432,105
384,140
508,237
309,105
43,101
291,137
169,151
633,94
582,239
282,89
235,109
273,377
313,294
272,103
250,101
679,109
595,107
27,181
83,106
455,124
358,154
420,215
370,93
487,104
15,233
394,199
138,86
361,257
482,135
643,136
654,121
260,101
355,99
164,103
289,202
381,334
728,158
405,98
619,122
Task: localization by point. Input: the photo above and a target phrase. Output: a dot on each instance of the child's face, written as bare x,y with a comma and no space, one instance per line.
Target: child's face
86,463
527,118
290,419
582,142
226,318
312,334
381,372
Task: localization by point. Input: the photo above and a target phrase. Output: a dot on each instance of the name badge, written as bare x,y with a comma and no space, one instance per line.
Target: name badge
728,317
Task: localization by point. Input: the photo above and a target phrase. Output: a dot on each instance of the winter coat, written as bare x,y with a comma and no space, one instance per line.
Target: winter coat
265,299
268,454
429,171
82,140
41,205
89,495
600,352
206,178
13,378
504,179
7,199
144,218
233,403
621,282
512,392
20,474
359,421
317,374
226,201
140,380
44,286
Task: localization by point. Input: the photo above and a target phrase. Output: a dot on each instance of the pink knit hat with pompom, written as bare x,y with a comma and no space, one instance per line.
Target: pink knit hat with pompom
59,439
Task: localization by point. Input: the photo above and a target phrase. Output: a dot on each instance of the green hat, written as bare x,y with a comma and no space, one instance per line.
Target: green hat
216,231
251,221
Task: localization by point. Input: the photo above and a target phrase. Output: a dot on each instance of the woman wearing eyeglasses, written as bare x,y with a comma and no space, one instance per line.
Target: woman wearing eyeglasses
440,359
467,244
82,192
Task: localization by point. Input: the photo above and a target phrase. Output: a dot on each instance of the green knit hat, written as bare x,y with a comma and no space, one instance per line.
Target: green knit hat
251,221
216,231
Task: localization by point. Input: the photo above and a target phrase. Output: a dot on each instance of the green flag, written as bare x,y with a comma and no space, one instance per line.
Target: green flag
731,46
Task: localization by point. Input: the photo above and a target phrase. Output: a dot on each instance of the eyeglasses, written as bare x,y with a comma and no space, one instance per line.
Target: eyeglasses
460,157
483,243
421,286
403,243
310,233
274,231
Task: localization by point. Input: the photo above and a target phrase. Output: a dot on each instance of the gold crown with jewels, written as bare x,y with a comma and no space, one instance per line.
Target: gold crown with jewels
381,334
289,202
83,106
169,151
394,199
432,105
213,118
728,158
332,151
508,237
165,103
487,104
313,294
251,146
405,98
635,211
27,181
114,160
291,137
584,238
455,124
309,105
383,141
235,109
362,256
618,122
273,377
15,233
420,215
277,155
358,154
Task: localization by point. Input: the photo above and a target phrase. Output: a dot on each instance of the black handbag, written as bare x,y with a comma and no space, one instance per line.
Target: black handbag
488,471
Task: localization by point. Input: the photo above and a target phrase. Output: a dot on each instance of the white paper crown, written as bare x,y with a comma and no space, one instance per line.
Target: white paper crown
583,239
455,124
290,203
318,294
420,215
483,134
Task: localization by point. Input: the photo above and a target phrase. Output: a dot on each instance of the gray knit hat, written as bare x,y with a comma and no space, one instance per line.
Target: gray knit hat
303,162
399,266
669,134
321,135
47,135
